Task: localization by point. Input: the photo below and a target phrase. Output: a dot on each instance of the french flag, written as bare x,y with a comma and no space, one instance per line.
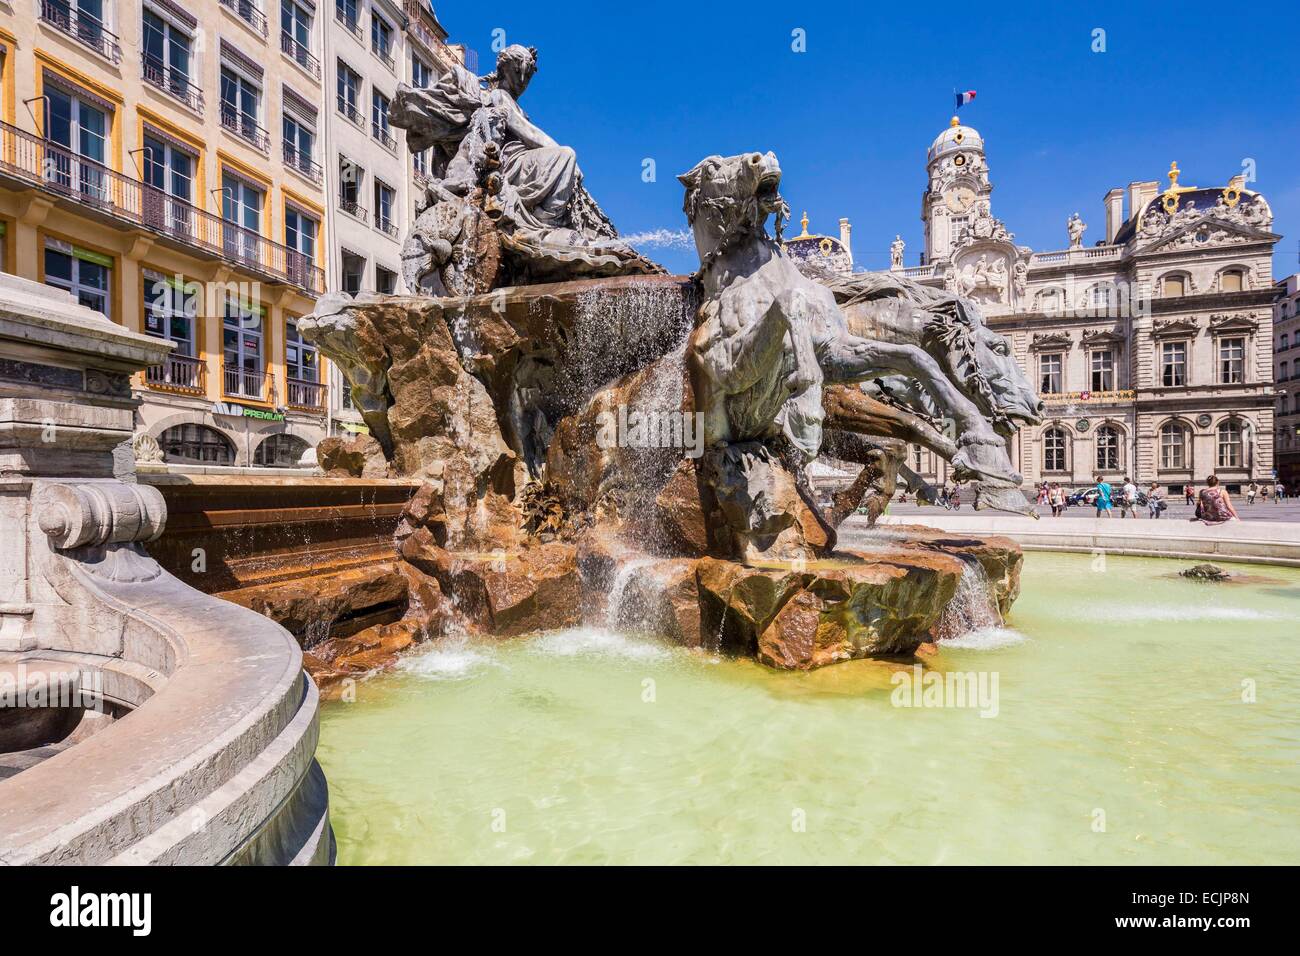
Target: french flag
964,98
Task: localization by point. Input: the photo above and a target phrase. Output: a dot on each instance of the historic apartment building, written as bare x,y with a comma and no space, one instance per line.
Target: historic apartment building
1152,348
1286,373
178,167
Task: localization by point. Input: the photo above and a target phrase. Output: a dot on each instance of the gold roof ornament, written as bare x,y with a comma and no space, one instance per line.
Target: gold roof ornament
1169,198
955,122
803,222
1231,195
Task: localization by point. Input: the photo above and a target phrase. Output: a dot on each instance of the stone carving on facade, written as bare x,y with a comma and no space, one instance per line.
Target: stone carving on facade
1224,223
1051,340
1075,228
983,279
504,204
146,449
1233,322
1092,337
1181,326
896,252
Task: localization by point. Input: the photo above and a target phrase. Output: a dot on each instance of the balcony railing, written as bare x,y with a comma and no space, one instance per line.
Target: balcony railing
245,127
350,111
244,383
169,80
180,373
56,170
351,23
353,208
381,133
300,161
385,54
299,54
249,12
388,227
304,394
82,27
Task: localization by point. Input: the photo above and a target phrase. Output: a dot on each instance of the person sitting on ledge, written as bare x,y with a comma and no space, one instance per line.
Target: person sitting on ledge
1214,506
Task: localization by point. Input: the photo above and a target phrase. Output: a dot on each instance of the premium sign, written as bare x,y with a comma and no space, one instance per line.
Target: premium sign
234,410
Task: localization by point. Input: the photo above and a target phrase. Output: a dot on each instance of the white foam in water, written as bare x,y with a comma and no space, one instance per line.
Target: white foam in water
986,639
456,661
597,642
1176,613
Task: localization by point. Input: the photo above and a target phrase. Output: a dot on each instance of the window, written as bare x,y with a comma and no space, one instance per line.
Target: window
349,91
957,225
196,445
351,176
1231,280
379,126
1232,361
1173,447
300,232
241,106
1107,449
84,20
166,56
1100,298
1173,363
1173,286
1282,372
1050,368
1230,445
385,280
243,349
1054,450
354,270
346,12
299,144
916,459
381,38
241,206
384,196
169,310
1103,370
1282,343
1049,301
301,358
420,162
295,34
280,451
80,128
87,275
421,74
169,172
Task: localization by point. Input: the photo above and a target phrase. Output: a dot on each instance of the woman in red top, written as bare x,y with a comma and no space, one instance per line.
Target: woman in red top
1214,506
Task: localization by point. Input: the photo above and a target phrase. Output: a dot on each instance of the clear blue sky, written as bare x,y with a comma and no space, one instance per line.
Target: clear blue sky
1206,84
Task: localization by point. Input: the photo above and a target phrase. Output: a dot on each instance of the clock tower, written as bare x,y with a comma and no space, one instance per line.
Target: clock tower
958,190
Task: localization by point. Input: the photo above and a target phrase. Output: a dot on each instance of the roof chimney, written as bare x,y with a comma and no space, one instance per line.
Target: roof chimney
1139,194
846,238
1114,213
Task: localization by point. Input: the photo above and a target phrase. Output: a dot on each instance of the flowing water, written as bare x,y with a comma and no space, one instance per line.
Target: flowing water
1121,736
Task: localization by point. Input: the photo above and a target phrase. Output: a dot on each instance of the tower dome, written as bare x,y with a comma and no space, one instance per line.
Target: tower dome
955,137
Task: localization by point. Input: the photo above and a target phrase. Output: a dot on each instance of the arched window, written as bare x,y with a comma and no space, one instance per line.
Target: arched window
1230,445
1054,450
1099,298
1173,286
1108,448
196,445
1232,280
1173,447
279,451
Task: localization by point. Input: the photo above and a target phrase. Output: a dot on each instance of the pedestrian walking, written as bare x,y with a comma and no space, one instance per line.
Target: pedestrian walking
1251,491
1056,498
1128,499
1155,500
1103,502
1280,492
1266,491
955,498
1190,494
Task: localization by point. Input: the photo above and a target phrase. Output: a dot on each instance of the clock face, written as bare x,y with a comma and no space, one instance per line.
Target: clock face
961,199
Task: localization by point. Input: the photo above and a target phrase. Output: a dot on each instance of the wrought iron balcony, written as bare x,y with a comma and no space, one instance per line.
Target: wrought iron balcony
170,80
245,126
382,134
249,12
34,161
387,226
301,162
245,383
353,208
83,27
180,373
351,23
306,395
385,54
349,110
299,54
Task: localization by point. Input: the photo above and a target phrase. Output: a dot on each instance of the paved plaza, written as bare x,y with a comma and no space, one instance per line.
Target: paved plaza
1286,510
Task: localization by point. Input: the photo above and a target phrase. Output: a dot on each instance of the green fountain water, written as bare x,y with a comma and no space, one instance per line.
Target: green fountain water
1121,736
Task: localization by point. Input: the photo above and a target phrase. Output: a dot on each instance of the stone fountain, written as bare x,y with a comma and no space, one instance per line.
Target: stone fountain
596,439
